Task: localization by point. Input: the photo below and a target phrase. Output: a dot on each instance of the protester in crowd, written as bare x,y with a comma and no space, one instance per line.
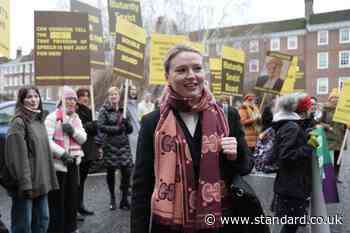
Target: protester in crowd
116,148
293,150
315,114
251,120
89,147
134,119
187,154
146,105
66,135
29,162
267,114
334,131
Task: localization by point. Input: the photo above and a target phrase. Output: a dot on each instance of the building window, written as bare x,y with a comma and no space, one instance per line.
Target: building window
344,35
254,65
344,59
292,42
322,60
275,44
341,82
322,86
27,80
254,46
322,37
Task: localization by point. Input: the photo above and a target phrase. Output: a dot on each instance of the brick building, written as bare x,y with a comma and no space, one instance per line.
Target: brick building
321,41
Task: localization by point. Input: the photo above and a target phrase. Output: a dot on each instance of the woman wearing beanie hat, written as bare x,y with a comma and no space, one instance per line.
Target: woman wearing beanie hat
292,185
334,131
250,119
66,135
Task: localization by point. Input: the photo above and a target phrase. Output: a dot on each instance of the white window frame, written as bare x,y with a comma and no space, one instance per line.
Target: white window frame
254,46
318,61
341,41
278,43
341,80
251,63
319,80
319,42
290,39
346,65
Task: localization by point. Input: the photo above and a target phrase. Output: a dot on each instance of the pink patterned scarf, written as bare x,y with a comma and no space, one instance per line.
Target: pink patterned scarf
58,136
177,201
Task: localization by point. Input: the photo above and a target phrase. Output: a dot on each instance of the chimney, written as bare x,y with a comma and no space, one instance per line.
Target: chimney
19,52
309,9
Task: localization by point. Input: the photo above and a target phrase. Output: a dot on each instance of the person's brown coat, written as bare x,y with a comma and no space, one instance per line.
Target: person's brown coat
250,125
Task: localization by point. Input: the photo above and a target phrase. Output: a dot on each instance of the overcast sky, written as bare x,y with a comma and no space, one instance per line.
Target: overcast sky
253,11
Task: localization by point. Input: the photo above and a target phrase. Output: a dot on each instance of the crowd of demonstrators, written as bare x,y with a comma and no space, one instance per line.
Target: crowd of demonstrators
187,151
116,148
89,147
187,155
66,135
250,119
334,131
28,158
146,105
293,151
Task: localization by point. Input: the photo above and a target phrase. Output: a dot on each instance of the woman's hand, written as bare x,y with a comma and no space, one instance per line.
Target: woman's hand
229,146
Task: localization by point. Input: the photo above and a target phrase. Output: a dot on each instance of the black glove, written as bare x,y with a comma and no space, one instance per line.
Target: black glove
125,122
68,129
91,127
67,159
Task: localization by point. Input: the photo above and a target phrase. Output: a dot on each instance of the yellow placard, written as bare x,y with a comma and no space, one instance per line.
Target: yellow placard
233,54
215,63
195,45
342,112
130,30
160,44
5,28
232,71
215,66
289,82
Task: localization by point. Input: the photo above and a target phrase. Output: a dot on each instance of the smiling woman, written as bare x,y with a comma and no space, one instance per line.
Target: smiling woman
187,154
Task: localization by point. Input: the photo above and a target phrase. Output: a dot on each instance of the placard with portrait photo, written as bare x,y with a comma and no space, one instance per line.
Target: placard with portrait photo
274,73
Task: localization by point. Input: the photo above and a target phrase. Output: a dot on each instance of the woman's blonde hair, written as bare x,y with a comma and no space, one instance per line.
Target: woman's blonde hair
113,90
174,51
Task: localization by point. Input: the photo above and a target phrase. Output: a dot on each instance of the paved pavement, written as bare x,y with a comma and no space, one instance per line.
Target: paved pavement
106,221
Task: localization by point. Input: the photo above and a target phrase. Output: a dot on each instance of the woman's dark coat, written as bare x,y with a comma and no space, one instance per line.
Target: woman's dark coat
114,132
144,178
90,126
294,159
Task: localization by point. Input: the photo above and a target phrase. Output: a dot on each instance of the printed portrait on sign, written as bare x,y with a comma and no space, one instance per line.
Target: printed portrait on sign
273,73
